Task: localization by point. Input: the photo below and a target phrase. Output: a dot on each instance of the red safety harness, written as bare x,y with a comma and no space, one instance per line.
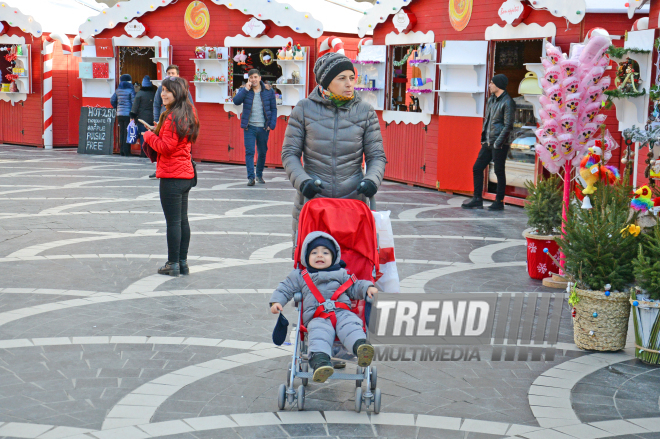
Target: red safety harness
326,309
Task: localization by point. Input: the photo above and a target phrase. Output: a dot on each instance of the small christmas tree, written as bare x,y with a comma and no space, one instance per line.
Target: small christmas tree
543,207
598,247
647,264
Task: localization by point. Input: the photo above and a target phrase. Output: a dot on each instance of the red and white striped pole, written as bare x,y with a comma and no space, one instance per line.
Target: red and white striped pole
47,52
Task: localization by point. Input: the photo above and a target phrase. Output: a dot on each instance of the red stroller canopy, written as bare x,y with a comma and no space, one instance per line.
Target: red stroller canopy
352,225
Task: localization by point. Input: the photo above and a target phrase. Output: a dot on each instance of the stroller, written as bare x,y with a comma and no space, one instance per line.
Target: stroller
352,225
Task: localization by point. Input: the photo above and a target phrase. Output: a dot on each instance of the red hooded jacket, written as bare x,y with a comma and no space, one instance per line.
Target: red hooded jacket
174,154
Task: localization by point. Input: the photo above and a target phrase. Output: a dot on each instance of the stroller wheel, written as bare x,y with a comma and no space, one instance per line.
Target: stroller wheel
281,396
374,378
377,401
305,368
358,383
301,398
358,399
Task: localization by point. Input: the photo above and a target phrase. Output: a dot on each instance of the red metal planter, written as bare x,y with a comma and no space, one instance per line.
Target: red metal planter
539,264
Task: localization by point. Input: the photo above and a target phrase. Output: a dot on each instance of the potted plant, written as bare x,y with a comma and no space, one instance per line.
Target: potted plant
599,249
646,301
543,209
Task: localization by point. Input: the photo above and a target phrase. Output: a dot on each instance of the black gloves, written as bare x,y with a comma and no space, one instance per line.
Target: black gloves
309,189
367,188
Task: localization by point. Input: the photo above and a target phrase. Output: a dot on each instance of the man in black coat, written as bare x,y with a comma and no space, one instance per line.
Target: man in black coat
143,106
498,123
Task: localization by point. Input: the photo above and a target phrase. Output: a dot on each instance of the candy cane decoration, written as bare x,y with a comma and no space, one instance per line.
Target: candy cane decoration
331,44
365,42
77,46
47,52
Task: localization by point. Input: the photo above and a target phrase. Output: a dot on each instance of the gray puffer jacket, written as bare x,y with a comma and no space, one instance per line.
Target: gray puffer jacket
327,283
332,142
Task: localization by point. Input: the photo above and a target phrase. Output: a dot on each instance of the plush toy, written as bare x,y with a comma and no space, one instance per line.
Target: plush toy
281,54
591,169
300,55
642,202
240,58
289,52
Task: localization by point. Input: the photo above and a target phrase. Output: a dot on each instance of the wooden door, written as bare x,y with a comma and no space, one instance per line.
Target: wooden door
404,148
13,130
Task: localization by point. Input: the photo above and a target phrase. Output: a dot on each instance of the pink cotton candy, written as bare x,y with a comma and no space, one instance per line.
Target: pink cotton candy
556,95
568,124
553,54
594,50
604,83
572,103
553,75
551,127
569,67
566,143
571,85
587,132
596,73
600,119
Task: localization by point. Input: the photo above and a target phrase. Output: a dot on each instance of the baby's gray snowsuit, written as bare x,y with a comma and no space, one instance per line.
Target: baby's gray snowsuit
321,334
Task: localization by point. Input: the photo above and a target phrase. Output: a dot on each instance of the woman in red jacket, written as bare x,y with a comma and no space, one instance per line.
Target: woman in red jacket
172,140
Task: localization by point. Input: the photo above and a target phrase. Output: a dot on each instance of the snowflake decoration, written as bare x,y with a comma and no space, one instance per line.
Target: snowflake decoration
542,268
532,247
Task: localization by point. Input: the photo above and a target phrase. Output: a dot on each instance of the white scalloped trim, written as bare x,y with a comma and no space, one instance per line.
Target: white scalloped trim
243,41
281,14
125,40
15,18
13,97
564,8
406,117
523,30
418,37
634,5
11,39
379,13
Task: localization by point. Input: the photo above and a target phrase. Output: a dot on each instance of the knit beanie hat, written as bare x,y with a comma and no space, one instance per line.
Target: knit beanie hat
501,81
126,77
146,81
279,332
325,242
329,66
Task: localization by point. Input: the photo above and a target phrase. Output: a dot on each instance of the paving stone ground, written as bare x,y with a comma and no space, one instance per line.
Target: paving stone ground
95,344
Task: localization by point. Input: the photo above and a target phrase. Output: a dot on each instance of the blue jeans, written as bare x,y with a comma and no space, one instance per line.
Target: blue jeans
259,135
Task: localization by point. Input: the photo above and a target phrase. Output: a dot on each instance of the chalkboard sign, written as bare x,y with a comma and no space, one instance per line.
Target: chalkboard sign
96,130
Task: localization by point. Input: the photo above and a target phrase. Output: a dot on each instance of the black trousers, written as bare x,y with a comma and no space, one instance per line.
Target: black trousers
124,147
174,200
486,155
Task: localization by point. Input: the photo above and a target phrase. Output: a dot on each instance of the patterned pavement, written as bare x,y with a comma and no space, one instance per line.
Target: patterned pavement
95,344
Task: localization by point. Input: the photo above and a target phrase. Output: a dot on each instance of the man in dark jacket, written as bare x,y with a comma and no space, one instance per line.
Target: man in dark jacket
122,100
258,118
143,106
498,123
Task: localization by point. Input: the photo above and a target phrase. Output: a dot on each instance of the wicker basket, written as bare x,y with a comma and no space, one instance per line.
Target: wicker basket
607,331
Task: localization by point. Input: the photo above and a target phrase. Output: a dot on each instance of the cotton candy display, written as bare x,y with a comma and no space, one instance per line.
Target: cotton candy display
571,102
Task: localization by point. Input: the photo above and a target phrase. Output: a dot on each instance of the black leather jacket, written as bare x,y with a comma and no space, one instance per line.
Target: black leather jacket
498,121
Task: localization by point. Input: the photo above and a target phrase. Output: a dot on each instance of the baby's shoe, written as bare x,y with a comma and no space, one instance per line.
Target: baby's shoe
364,352
322,366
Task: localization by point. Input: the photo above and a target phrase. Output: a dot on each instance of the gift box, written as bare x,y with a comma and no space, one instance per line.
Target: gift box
100,70
85,70
104,48
5,88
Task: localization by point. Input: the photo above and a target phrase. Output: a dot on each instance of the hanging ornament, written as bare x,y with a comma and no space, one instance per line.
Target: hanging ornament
266,57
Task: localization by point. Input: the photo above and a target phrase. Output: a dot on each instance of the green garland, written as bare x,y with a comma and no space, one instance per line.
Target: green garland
618,94
404,60
619,52
655,93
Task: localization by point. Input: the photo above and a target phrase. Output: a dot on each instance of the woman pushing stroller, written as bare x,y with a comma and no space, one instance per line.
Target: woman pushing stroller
327,293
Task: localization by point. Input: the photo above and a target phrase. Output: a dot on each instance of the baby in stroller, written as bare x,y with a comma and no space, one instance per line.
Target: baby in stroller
327,293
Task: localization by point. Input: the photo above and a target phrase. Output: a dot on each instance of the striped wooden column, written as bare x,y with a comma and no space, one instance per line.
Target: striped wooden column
48,47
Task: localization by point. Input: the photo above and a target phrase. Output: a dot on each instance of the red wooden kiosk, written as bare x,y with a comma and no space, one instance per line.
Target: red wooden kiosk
145,36
431,101
47,79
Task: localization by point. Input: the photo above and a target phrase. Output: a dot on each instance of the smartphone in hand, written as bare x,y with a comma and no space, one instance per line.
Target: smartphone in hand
149,127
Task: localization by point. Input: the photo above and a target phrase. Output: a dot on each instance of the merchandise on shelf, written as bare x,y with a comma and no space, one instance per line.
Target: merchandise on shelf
200,53
100,70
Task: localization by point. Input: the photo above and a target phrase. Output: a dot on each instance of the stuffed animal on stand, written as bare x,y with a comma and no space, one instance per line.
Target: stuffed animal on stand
591,170
642,202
